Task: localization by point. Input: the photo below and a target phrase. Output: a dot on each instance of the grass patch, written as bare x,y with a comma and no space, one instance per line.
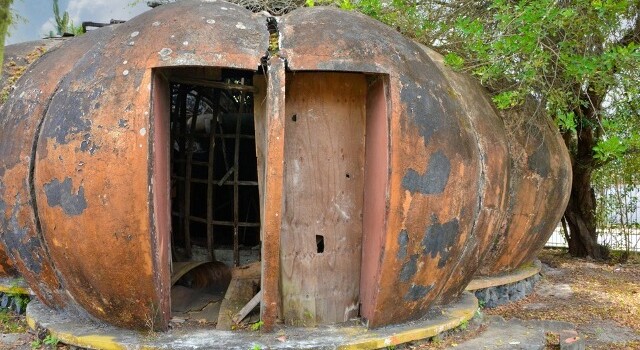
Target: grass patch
10,322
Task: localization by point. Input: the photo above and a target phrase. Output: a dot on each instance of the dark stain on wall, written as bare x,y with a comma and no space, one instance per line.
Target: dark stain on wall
439,238
403,242
539,160
434,179
61,194
409,268
14,238
425,114
87,145
417,292
67,118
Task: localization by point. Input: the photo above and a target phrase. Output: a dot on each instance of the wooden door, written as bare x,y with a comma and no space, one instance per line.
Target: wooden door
321,237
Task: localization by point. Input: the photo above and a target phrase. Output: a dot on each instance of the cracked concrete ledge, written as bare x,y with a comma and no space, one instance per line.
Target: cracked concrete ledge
14,286
522,273
73,331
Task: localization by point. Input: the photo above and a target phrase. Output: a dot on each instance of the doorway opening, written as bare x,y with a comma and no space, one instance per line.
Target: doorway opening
215,207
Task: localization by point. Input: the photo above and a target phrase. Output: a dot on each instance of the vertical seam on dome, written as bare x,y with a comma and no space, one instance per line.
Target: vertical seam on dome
31,182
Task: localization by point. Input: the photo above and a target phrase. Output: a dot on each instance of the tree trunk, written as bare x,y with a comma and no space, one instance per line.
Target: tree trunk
580,216
5,21
581,210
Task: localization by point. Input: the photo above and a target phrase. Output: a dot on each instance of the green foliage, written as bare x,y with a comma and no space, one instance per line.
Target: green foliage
609,148
566,121
576,61
63,23
6,18
454,61
51,340
256,326
256,347
464,325
346,5
507,99
11,322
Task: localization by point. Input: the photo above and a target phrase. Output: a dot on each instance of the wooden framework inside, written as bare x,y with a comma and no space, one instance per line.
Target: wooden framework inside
214,185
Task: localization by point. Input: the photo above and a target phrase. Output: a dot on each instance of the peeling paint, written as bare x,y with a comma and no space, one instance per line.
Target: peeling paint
61,194
69,117
403,242
538,161
434,179
417,292
409,269
439,238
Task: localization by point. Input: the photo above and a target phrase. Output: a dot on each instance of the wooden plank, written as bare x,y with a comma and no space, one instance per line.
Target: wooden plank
184,205
249,271
321,238
210,169
213,84
375,195
272,221
239,293
236,171
259,117
247,308
189,169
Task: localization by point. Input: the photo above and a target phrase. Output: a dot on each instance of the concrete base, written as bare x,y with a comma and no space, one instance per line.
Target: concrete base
72,331
14,294
493,291
519,274
10,285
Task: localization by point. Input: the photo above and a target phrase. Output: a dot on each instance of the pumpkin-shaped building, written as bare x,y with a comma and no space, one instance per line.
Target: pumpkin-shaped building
361,175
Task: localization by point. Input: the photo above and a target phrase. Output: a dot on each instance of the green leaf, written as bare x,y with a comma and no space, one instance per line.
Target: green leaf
609,148
346,5
566,121
507,99
454,61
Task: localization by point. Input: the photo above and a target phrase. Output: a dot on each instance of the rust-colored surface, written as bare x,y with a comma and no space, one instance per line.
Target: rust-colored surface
17,60
20,120
528,178
444,187
93,179
271,305
434,173
539,192
161,209
495,161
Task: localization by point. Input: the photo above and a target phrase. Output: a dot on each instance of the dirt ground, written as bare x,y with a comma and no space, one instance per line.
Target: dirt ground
602,300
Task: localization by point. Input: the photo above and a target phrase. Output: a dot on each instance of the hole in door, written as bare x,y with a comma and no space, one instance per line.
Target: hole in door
320,244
